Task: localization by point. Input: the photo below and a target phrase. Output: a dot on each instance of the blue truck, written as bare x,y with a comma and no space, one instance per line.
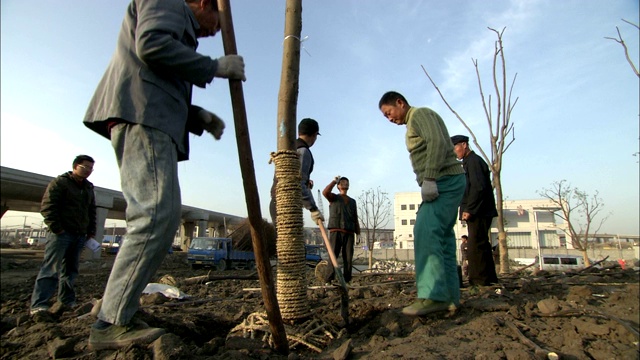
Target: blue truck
314,254
218,252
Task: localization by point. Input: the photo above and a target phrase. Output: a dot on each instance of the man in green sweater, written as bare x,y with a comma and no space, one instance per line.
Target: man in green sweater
442,183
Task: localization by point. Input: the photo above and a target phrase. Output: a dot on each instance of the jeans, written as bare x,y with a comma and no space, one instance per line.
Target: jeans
435,243
59,268
148,163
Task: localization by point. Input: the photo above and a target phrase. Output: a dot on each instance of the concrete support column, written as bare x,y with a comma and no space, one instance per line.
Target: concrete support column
188,227
220,229
532,228
202,228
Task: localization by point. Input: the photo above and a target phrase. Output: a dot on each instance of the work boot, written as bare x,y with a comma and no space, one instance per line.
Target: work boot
424,307
116,336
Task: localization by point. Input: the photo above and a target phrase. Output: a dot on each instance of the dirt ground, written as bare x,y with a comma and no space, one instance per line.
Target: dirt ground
588,315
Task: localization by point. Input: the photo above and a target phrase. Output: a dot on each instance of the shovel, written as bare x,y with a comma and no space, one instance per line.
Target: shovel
344,294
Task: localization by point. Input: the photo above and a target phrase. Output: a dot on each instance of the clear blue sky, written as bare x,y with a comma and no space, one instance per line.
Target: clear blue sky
576,118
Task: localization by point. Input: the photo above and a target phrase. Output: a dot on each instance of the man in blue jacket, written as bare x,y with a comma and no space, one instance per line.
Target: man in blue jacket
143,105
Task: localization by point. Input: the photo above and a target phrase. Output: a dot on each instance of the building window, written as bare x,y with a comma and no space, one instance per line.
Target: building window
412,222
403,207
412,207
410,235
404,222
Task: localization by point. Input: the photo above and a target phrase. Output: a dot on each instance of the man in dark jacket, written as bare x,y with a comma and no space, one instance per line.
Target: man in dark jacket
343,223
69,210
478,208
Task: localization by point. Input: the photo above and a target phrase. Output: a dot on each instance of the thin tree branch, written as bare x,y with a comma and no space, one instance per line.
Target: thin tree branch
620,41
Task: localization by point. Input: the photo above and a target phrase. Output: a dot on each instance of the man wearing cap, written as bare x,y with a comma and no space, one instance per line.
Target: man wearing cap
441,179
308,131
478,208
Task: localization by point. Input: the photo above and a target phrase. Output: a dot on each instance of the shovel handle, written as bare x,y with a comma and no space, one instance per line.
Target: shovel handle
332,256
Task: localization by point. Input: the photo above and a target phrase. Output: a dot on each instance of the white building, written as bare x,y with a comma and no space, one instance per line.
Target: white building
529,223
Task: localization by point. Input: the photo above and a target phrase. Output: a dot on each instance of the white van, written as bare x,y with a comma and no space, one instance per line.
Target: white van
562,262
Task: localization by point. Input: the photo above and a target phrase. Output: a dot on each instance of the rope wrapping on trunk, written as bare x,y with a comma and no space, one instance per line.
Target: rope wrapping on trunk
291,288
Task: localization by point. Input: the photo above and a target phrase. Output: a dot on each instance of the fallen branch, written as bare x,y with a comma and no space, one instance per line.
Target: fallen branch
540,353
370,272
594,264
213,277
523,268
382,283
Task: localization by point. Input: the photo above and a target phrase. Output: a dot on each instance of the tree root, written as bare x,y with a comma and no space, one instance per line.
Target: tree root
315,333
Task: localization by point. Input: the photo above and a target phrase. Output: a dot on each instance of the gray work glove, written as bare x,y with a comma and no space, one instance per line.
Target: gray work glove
316,215
211,123
429,190
231,67
337,179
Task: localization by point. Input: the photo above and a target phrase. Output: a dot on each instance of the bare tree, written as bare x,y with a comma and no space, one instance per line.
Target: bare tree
579,211
620,41
501,131
374,212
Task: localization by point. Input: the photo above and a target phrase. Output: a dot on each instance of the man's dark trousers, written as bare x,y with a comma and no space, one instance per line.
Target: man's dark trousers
482,269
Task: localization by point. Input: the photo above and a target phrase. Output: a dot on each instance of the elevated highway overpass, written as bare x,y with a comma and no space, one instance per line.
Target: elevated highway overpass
23,191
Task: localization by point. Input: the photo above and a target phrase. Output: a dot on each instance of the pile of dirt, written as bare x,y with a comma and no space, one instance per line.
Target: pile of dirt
588,315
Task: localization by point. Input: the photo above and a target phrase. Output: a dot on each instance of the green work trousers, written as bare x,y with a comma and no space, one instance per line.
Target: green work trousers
435,243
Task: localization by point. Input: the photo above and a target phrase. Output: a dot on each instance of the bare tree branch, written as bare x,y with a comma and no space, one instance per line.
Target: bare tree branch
500,127
620,41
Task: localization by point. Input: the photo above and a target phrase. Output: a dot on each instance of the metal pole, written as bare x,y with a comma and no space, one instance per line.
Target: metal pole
535,219
619,245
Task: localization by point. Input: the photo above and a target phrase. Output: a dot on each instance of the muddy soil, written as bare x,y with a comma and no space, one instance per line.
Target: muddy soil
587,315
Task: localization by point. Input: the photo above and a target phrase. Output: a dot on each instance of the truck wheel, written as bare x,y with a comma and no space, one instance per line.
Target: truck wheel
196,266
251,265
222,265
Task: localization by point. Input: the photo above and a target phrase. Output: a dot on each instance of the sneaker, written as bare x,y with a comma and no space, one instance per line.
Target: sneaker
424,307
37,310
116,336
136,322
